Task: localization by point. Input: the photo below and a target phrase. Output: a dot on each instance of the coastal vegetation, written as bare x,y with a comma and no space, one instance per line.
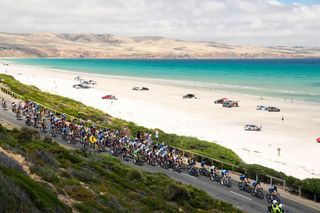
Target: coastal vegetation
90,182
189,144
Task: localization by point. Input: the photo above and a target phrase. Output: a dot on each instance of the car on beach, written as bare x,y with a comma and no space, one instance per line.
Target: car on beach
140,88
221,100
262,108
190,96
109,97
273,109
252,127
230,104
81,86
92,82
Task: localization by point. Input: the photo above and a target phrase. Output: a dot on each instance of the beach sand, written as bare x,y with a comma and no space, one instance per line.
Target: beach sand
163,107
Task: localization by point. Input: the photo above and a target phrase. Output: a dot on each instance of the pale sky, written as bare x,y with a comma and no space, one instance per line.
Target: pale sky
258,22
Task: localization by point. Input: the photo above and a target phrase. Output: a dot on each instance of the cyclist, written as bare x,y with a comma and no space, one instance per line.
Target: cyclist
224,175
244,179
256,185
273,191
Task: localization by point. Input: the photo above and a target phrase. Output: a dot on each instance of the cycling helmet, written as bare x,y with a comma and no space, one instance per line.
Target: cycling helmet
280,205
274,201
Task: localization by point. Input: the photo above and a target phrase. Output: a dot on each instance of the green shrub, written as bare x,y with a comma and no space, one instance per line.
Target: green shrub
84,176
28,135
46,173
78,192
135,175
13,198
41,197
312,185
174,192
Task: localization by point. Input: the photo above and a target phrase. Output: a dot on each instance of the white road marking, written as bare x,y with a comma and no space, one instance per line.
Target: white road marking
240,195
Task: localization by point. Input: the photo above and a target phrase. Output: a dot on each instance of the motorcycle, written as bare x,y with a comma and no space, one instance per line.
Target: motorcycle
270,210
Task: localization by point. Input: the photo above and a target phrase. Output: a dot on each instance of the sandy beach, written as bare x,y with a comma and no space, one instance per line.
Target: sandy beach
163,107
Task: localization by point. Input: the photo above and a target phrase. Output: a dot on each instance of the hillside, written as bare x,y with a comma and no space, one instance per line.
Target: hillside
37,175
111,46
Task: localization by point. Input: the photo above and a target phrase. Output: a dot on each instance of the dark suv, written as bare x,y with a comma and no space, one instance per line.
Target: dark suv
273,109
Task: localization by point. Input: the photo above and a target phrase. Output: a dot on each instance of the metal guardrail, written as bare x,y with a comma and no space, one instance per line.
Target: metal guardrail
236,169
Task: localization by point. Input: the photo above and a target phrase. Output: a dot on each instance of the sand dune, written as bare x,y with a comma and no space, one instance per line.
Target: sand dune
111,46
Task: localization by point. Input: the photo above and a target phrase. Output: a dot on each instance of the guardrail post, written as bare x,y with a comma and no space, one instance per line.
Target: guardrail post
314,197
256,177
299,191
270,181
284,185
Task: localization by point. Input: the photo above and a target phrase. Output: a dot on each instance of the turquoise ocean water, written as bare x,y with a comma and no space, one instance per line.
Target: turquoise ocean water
297,79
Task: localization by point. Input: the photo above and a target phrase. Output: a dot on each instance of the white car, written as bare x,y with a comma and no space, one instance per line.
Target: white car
251,127
262,108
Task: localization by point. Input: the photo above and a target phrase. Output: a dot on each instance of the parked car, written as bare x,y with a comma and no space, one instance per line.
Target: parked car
140,88
81,86
273,109
109,97
221,100
190,96
92,82
230,104
251,127
262,108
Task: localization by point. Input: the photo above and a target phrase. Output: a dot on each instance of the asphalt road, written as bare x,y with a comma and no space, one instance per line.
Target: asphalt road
239,199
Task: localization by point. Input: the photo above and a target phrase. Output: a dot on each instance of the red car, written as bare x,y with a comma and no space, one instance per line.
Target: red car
109,97
221,101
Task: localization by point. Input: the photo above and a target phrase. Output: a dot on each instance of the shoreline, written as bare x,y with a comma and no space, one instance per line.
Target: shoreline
163,107
173,82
